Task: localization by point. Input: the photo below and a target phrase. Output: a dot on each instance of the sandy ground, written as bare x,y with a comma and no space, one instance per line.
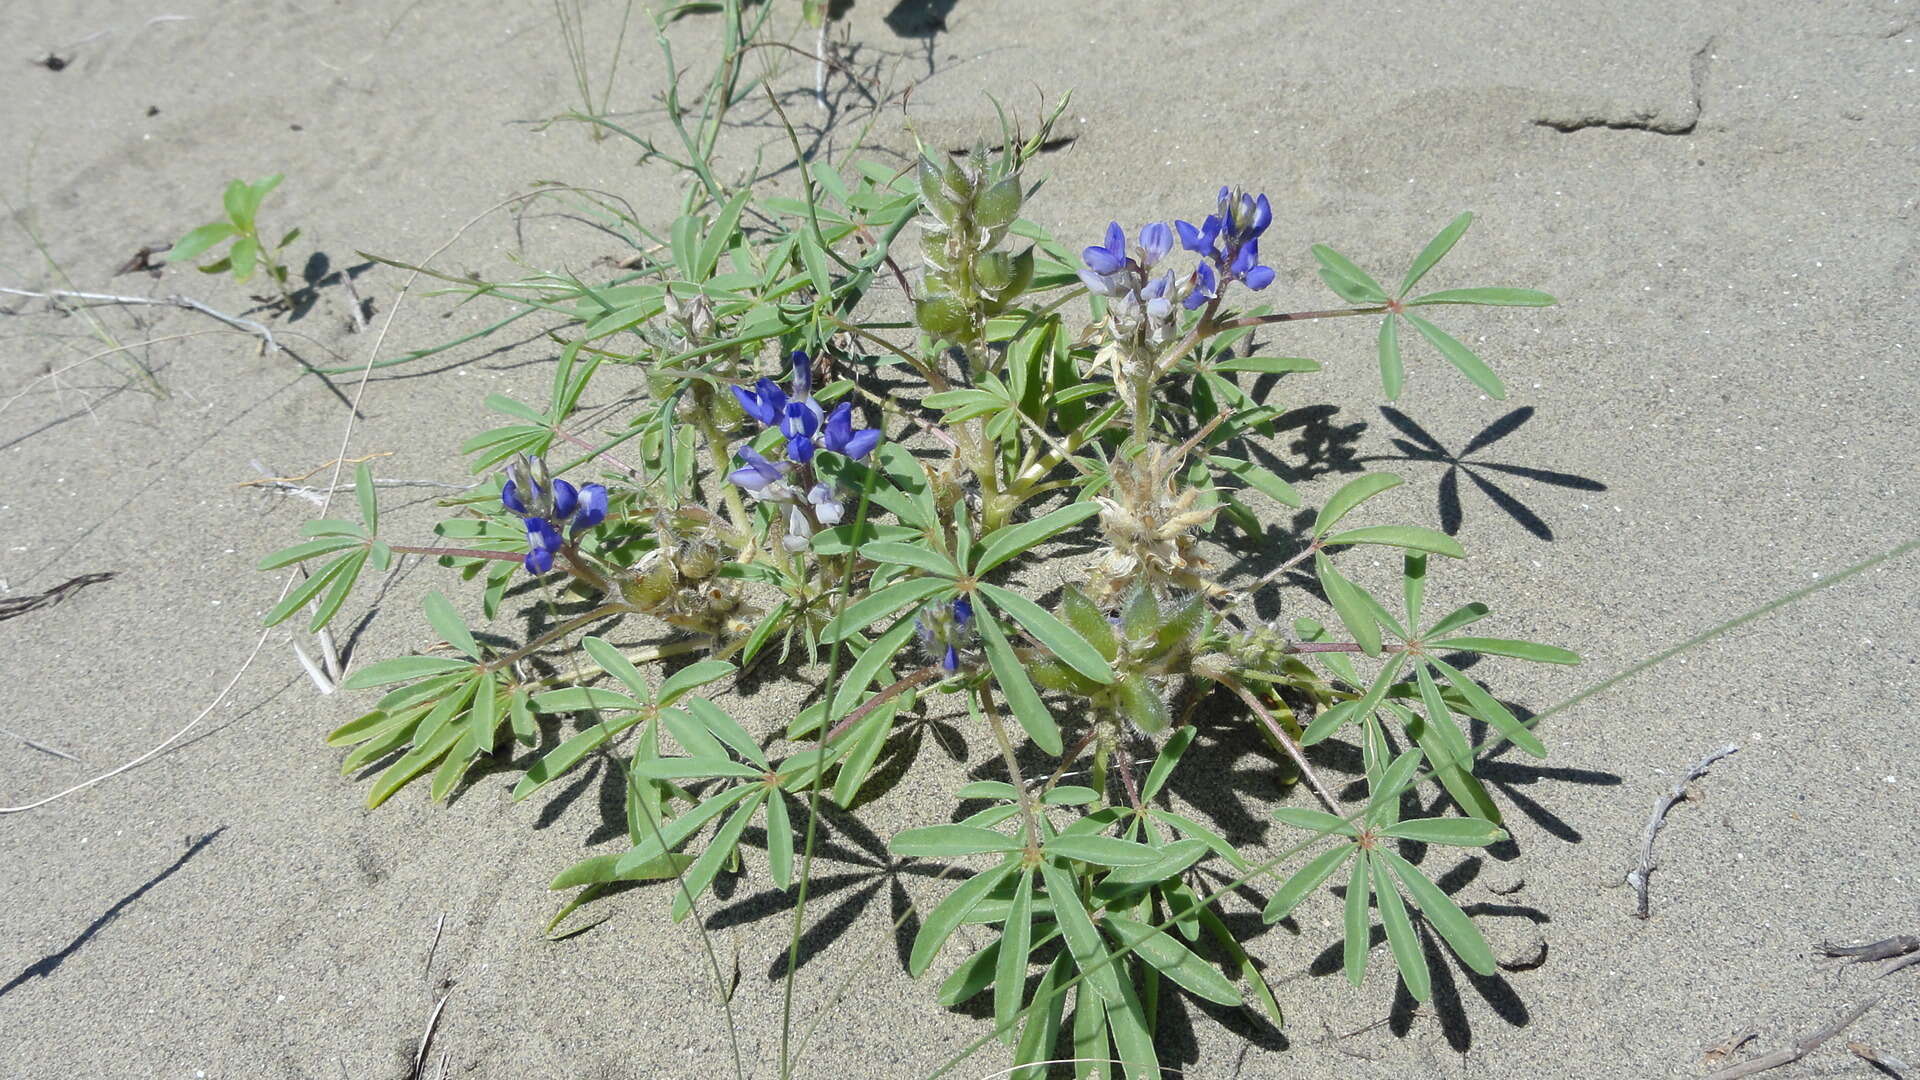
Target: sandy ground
1723,195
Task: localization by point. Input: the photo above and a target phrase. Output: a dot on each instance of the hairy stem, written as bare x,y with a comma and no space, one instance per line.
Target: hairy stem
1286,741
1027,812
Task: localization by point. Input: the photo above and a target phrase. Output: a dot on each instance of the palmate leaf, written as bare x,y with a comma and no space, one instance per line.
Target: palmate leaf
1004,543
1445,916
1172,959
1052,633
1011,675
1352,494
1435,250
1393,373
1401,940
719,851
946,917
1305,880
1475,369
1015,945
1347,601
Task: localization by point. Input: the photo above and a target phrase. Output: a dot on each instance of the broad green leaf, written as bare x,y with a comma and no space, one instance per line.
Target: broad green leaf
483,722
879,604
242,257
1358,924
1341,266
613,662
447,623
1493,297
940,841
1446,749
724,727
1042,1028
987,789
1459,617
599,869
1267,365
1091,1054
1393,373
1101,850
1088,621
562,757
411,765
1401,940
1305,880
1350,495
779,841
1173,959
1172,859
1169,756
369,504
1455,832
1393,779
1083,940
1353,292
302,552
687,768
914,555
691,677
1443,915
868,665
1345,597
1435,250
1489,710
971,976
300,595
1412,537
718,853
1317,820
1413,585
1002,544
1261,480
1051,632
585,699
200,240
1523,650
403,669
1249,971
1461,357
1010,971
945,918
672,833
323,612
1011,675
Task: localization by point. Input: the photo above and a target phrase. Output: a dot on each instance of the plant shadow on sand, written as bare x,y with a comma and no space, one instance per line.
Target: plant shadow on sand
44,967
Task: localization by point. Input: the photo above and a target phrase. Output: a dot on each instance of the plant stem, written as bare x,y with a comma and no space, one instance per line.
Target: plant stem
1286,741
1027,812
866,707
457,553
557,633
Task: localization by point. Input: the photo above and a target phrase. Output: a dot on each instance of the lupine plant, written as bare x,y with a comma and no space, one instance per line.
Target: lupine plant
886,509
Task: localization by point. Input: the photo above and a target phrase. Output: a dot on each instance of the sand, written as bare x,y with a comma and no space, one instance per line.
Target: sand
1722,195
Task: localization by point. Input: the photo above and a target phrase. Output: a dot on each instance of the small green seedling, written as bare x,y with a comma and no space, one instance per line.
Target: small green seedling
249,252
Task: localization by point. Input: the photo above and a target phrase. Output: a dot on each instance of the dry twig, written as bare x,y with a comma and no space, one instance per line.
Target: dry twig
1800,1048
256,329
1886,1063
1639,877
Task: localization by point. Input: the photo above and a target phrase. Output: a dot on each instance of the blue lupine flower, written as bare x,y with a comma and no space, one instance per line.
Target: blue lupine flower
802,419
765,402
758,474
840,437
1109,272
547,506
1230,238
945,629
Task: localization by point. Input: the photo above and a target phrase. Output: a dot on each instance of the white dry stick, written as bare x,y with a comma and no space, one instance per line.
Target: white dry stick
426,1037
1639,876
256,329
820,66
1796,1050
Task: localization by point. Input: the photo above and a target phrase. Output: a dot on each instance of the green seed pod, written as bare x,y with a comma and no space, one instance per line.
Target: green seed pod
999,205
1143,705
959,184
1021,278
937,201
994,271
941,316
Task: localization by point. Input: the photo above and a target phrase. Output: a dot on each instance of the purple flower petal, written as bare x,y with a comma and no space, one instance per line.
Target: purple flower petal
801,419
962,612
757,473
861,443
1262,215
950,662
593,508
566,499
1259,277
800,448
1155,241
510,498
1190,238
802,373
